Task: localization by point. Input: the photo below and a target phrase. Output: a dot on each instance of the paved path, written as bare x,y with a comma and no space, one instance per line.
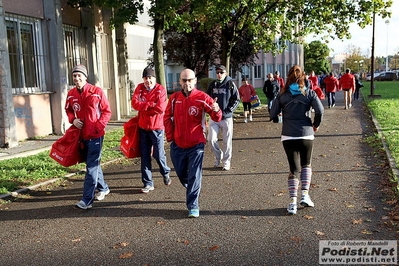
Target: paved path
243,217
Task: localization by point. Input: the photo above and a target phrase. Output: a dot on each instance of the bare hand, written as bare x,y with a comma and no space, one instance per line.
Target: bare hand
77,123
215,105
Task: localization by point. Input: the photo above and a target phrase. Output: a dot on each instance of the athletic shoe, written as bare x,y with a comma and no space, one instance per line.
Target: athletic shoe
292,208
101,195
166,180
245,120
193,213
250,118
350,105
306,201
82,205
226,167
333,105
147,189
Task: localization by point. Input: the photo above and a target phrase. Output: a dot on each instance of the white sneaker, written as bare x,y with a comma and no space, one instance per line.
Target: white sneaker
101,195
306,201
226,167
245,120
292,208
250,118
147,189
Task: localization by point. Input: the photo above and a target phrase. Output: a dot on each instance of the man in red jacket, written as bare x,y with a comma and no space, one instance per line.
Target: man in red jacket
149,99
88,109
185,120
347,84
332,85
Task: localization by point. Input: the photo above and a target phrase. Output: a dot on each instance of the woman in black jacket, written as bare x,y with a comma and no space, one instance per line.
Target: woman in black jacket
294,101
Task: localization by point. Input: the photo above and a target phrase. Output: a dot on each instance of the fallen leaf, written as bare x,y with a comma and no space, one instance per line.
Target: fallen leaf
121,245
76,240
333,189
309,217
354,221
244,217
214,248
186,242
126,255
320,233
350,206
366,232
372,209
395,218
160,222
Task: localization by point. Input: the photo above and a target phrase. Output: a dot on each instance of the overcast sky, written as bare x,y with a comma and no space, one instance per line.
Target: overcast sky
386,36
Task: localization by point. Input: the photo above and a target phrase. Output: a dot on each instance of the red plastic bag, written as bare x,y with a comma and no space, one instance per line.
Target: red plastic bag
66,150
319,93
130,142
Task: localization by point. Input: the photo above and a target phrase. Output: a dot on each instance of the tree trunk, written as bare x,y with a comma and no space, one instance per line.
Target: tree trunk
158,49
226,47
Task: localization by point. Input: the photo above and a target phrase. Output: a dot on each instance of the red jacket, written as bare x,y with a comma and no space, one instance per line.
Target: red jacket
314,82
151,105
185,118
332,84
347,81
246,92
91,107
280,81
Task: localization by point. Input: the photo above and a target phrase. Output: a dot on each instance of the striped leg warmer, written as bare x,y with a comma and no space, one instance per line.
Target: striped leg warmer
306,176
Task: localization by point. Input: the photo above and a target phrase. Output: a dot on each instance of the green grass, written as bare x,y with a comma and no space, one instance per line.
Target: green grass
25,171
386,111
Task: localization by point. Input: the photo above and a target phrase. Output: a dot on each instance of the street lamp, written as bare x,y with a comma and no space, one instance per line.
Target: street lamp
386,61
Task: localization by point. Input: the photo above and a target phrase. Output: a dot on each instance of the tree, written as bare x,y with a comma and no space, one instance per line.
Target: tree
198,48
316,54
272,23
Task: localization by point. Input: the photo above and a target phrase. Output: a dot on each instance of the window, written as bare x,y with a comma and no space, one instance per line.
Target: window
269,68
245,71
258,71
25,55
74,53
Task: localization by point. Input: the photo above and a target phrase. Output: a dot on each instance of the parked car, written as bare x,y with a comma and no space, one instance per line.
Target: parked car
384,76
368,78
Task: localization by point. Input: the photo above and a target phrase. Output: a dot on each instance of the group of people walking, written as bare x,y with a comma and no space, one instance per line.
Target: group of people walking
182,121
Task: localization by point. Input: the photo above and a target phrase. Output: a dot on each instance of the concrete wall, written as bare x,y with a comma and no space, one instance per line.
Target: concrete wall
32,115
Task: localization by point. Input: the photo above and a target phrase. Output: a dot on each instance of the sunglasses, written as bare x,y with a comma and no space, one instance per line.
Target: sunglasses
220,72
185,80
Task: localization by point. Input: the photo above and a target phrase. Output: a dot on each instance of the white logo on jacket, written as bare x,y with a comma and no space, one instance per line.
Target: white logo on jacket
193,111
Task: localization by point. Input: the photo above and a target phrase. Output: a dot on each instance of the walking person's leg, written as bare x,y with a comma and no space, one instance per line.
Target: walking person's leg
146,167
94,174
195,158
227,133
157,139
213,131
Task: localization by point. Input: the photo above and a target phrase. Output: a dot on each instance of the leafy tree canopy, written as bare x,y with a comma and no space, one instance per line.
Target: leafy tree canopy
316,54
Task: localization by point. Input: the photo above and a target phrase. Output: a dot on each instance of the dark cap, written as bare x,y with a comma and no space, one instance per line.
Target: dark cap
81,69
244,79
221,67
147,72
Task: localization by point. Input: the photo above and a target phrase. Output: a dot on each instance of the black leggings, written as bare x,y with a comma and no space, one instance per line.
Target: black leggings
299,153
247,106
